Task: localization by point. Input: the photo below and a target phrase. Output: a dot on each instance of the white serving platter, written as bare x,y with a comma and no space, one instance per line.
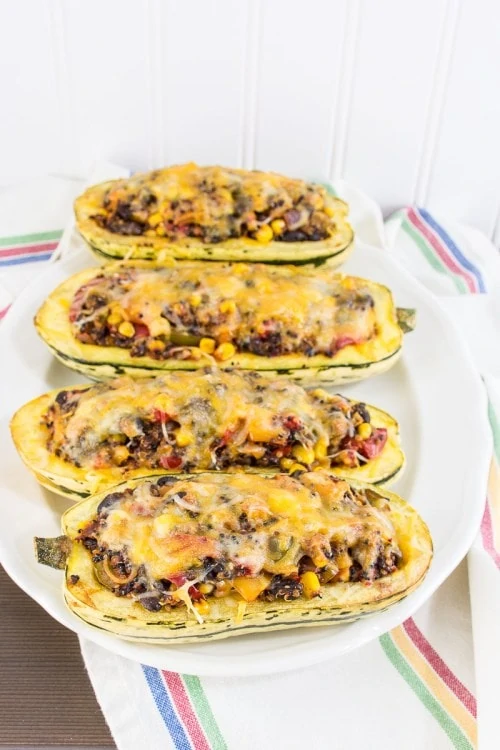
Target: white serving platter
435,393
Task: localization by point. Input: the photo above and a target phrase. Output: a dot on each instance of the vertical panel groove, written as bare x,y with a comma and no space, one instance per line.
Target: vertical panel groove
495,233
436,100
64,116
250,85
343,96
335,98
155,83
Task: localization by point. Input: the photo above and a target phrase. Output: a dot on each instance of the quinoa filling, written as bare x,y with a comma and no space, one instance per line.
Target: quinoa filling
174,541
214,205
187,313
231,419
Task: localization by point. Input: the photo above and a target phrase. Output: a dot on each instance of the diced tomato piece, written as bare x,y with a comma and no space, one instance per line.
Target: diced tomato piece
225,439
194,593
341,342
292,423
76,305
369,448
79,298
160,416
170,462
179,579
101,461
141,330
374,445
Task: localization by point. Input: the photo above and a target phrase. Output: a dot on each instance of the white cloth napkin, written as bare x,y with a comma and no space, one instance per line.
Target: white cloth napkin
414,686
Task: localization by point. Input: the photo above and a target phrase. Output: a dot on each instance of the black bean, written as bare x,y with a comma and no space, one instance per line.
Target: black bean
151,603
362,411
284,587
292,236
89,542
109,501
62,397
169,479
245,524
123,211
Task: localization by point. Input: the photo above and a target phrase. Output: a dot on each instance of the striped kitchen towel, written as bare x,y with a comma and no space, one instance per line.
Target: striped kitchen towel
24,249
415,684
28,248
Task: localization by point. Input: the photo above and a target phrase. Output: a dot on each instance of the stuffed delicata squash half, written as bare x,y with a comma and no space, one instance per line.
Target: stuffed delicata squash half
80,440
303,323
213,213
191,558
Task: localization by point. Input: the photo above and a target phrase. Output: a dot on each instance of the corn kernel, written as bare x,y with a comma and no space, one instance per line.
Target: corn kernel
183,437
264,234
154,219
278,225
207,346
329,211
159,327
126,329
320,393
120,454
225,351
303,454
206,588
115,318
311,584
364,430
321,448
261,430
156,346
227,306
282,502
160,230
296,467
195,300
285,463
225,195
202,607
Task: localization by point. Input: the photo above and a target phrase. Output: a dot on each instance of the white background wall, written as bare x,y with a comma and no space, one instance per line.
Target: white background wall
400,97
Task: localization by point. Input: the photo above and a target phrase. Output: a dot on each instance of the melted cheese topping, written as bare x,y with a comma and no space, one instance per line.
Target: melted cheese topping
241,412
259,524
257,308
216,204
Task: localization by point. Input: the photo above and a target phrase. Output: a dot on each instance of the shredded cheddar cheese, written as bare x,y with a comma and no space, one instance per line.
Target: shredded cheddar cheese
260,536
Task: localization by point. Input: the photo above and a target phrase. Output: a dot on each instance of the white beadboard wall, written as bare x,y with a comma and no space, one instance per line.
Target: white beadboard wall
400,97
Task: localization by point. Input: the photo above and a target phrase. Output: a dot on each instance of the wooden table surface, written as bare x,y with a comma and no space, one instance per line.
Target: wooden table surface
46,700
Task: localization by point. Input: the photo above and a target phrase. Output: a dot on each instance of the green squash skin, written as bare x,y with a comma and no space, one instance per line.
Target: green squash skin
334,259
334,374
